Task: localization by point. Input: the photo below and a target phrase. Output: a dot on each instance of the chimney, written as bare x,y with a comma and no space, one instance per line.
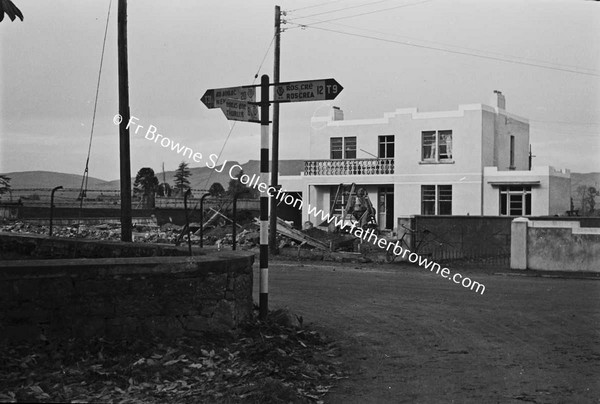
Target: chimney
498,100
337,114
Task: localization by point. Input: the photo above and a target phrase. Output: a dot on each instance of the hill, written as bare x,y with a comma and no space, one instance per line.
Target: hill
48,180
204,177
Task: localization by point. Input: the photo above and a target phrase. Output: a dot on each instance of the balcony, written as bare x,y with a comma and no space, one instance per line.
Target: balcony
349,167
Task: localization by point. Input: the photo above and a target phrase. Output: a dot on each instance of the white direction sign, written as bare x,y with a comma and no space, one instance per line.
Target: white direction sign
310,90
237,110
214,98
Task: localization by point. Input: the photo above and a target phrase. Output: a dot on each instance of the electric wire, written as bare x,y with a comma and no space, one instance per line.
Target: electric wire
361,14
591,73
450,45
313,6
342,9
84,180
234,122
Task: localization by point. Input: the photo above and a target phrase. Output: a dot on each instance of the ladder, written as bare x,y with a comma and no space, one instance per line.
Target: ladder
358,207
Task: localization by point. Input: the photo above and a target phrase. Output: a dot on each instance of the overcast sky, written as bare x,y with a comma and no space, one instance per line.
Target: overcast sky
433,55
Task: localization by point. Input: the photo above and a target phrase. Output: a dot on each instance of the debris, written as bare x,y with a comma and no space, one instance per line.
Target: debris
270,361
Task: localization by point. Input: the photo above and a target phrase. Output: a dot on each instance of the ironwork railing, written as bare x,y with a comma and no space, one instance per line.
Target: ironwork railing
349,167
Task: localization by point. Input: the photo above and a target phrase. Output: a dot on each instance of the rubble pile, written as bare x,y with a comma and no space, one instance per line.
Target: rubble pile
219,233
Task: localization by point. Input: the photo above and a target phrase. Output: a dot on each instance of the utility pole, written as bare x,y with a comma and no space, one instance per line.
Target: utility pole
125,163
275,145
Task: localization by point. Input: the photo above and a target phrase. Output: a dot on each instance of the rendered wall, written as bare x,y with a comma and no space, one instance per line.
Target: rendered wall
559,246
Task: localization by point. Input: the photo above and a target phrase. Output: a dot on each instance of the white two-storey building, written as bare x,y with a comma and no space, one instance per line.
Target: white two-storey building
471,161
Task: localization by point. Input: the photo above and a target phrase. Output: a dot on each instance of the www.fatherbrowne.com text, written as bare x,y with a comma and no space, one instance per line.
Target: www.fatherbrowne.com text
281,195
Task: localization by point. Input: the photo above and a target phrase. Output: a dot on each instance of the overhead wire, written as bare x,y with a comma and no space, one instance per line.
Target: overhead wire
501,59
450,45
234,122
342,9
84,180
360,14
313,6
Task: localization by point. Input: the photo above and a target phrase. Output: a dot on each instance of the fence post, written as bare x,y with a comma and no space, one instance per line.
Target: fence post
52,207
518,243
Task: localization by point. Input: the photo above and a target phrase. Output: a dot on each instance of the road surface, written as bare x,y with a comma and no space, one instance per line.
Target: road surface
410,336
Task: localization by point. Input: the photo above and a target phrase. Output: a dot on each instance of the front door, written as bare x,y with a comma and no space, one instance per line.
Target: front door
385,208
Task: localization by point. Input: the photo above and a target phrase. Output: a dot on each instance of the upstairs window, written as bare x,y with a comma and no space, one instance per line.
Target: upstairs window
386,146
336,147
343,148
436,146
350,147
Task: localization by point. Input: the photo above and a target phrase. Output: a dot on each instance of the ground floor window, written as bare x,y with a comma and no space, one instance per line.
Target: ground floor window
515,200
436,199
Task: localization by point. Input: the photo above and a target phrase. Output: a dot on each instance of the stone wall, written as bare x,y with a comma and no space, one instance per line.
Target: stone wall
32,246
133,296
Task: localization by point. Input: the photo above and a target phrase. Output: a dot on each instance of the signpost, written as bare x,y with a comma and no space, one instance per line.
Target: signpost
311,90
237,110
239,104
216,97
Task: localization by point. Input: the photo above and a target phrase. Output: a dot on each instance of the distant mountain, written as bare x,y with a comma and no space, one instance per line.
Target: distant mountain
204,177
589,179
201,178
49,179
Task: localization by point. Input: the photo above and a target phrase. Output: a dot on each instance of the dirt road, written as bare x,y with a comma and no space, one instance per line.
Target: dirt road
410,336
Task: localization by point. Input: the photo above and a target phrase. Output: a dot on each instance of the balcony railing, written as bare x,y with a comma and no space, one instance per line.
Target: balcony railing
349,167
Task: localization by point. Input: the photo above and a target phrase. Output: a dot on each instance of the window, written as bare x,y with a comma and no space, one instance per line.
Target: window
436,200
444,199
436,146
350,147
512,153
343,148
428,146
386,146
515,200
336,148
428,199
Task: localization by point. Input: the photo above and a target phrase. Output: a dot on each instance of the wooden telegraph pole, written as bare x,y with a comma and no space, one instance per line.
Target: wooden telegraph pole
125,163
275,132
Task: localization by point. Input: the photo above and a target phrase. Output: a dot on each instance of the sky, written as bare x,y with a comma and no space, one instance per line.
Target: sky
544,55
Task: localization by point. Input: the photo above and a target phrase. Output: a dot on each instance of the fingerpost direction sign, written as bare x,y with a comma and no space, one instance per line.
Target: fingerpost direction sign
238,110
215,97
310,90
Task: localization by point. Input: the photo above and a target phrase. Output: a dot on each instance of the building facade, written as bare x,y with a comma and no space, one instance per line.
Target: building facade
471,161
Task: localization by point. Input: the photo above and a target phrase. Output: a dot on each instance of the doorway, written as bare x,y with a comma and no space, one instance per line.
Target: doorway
385,208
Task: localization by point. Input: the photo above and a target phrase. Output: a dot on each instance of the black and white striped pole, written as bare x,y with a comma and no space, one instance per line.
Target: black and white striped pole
237,103
263,297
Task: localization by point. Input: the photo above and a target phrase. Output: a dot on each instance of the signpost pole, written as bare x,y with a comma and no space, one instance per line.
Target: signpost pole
264,198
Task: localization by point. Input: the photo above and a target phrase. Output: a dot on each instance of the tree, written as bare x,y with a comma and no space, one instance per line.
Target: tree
146,185
216,189
4,184
235,186
592,192
164,189
181,178
581,192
